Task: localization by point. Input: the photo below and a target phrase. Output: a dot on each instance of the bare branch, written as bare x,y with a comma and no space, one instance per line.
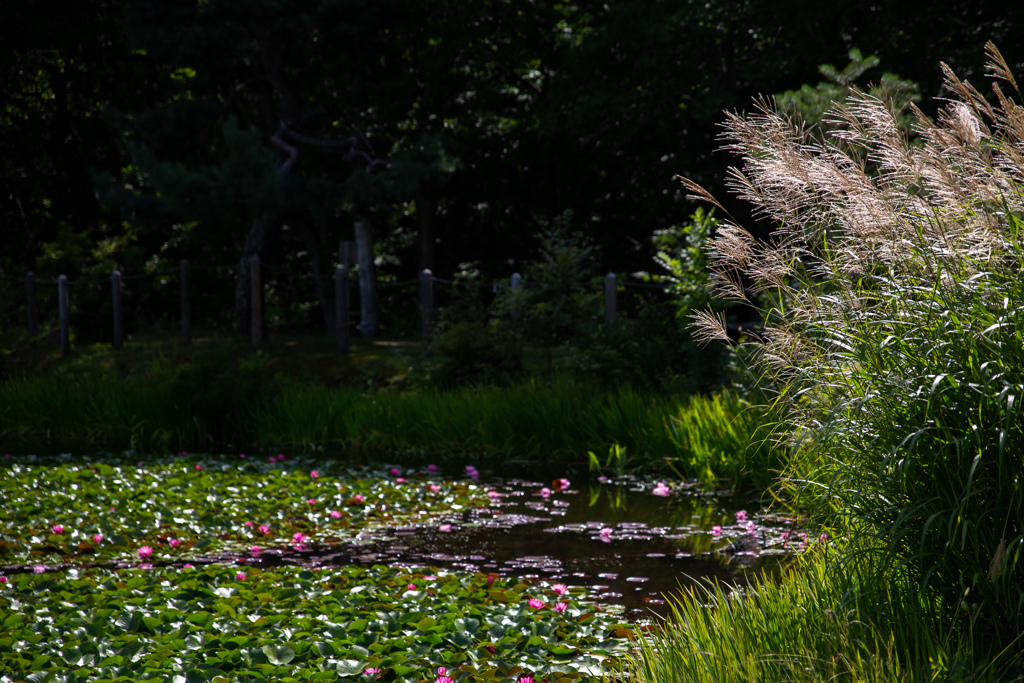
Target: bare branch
291,150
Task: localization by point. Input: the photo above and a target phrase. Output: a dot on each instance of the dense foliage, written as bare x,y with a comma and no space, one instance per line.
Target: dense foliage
136,134
151,571
894,337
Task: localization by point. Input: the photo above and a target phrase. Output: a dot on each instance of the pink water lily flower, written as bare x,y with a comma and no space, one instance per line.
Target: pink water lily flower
248,523
662,489
271,459
371,670
525,679
741,516
431,468
606,531
443,679
145,551
335,514
3,580
560,607
298,537
395,471
535,603
434,488
314,474
563,484
240,576
255,551
312,501
716,530
264,529
358,498
174,543
445,527
57,529
560,589
545,492
400,480
97,538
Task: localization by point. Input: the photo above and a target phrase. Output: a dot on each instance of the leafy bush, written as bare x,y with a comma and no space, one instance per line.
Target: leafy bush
475,352
895,334
655,350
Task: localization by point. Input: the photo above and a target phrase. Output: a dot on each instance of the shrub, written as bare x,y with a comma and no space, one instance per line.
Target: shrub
895,333
655,349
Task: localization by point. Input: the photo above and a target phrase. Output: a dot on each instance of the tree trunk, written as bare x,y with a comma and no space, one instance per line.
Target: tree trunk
369,320
426,237
324,283
254,245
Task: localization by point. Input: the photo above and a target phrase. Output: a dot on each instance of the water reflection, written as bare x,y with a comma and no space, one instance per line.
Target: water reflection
627,545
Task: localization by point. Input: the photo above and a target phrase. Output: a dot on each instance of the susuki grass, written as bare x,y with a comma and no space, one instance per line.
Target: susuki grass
894,337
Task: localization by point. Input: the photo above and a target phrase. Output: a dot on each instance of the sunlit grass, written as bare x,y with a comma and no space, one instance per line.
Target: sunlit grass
825,620
197,408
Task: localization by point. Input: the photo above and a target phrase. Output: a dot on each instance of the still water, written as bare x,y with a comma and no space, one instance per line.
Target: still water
627,545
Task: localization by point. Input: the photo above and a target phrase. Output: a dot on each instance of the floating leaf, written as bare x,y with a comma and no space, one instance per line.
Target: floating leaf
278,654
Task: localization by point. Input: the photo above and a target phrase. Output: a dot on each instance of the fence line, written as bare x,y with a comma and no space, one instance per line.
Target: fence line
342,277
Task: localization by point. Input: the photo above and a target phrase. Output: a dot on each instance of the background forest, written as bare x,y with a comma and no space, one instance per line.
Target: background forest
443,135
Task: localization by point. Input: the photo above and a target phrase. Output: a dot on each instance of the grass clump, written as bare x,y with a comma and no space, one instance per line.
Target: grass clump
825,619
893,302
715,439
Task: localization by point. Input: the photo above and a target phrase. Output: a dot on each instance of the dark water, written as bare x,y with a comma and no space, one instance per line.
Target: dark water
655,544
628,546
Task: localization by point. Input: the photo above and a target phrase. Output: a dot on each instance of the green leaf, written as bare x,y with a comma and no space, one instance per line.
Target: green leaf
129,622
349,667
196,676
278,654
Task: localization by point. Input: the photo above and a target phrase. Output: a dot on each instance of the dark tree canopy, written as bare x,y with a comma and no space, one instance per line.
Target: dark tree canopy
136,133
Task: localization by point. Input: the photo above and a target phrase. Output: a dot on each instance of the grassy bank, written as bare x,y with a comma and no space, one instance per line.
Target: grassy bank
227,400
829,618
894,312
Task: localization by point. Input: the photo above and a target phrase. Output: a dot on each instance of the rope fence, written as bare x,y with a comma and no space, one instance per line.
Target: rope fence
426,285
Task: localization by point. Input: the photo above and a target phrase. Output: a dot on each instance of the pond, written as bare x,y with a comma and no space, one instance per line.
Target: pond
619,539
627,541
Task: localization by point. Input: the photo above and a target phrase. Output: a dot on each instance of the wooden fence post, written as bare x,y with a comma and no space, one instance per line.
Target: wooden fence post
186,304
609,298
115,288
257,301
65,331
426,303
33,312
341,309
